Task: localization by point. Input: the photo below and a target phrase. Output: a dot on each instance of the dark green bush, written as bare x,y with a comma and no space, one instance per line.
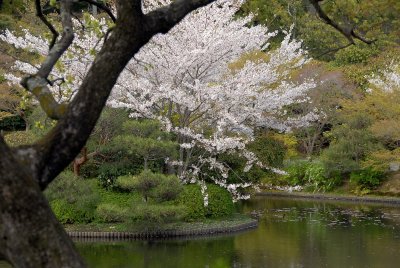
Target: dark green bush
70,213
220,202
111,213
146,183
169,189
72,199
110,171
367,178
192,199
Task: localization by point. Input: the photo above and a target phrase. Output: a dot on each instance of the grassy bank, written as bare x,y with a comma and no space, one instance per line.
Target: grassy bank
140,204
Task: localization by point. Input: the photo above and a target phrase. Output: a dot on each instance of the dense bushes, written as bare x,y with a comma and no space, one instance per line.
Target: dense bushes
193,201
76,200
158,186
72,199
311,174
219,202
367,178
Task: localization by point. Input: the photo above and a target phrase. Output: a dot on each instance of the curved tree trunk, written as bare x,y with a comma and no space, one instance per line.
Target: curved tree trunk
27,224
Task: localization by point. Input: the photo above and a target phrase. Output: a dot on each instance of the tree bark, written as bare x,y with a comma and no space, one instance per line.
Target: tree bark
27,224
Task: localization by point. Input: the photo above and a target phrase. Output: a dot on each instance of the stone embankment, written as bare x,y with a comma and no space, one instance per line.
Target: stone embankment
162,234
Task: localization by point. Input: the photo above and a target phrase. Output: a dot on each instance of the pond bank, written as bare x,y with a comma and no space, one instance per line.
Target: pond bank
182,229
335,197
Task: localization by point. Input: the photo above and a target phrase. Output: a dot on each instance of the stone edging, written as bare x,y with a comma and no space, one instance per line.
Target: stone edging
330,197
164,233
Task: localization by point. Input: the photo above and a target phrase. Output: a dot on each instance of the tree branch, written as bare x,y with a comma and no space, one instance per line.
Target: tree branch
101,6
334,50
163,19
42,17
37,84
348,32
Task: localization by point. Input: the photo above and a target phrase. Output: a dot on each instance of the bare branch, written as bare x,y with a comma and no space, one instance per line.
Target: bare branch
38,83
334,50
66,40
42,17
348,32
101,6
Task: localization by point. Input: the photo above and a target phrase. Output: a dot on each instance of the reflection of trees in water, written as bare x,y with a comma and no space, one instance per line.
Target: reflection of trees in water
321,234
160,253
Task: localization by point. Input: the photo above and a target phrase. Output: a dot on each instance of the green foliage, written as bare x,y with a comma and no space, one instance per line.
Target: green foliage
108,126
192,199
108,172
169,189
350,143
269,150
147,182
355,54
152,185
6,22
380,160
127,183
319,180
220,202
146,148
155,214
111,213
312,174
72,199
373,19
367,178
296,170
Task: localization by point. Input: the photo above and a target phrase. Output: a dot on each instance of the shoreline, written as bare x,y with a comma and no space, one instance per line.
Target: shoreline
181,231
388,200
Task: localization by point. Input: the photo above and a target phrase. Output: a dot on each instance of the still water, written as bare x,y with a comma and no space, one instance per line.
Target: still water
291,233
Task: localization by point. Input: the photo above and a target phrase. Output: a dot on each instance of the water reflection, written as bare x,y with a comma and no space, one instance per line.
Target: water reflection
292,233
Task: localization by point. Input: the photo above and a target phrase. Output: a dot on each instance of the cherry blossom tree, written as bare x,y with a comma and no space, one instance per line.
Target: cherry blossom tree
184,79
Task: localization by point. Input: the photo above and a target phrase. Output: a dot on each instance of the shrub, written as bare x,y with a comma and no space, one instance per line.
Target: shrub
192,199
69,213
318,178
72,199
296,172
156,213
127,183
111,213
169,189
367,178
147,181
220,202
109,172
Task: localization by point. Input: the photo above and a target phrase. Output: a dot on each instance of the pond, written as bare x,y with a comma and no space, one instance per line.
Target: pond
291,233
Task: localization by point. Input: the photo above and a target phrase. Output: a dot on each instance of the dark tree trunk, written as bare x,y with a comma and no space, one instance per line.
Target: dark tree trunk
27,224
